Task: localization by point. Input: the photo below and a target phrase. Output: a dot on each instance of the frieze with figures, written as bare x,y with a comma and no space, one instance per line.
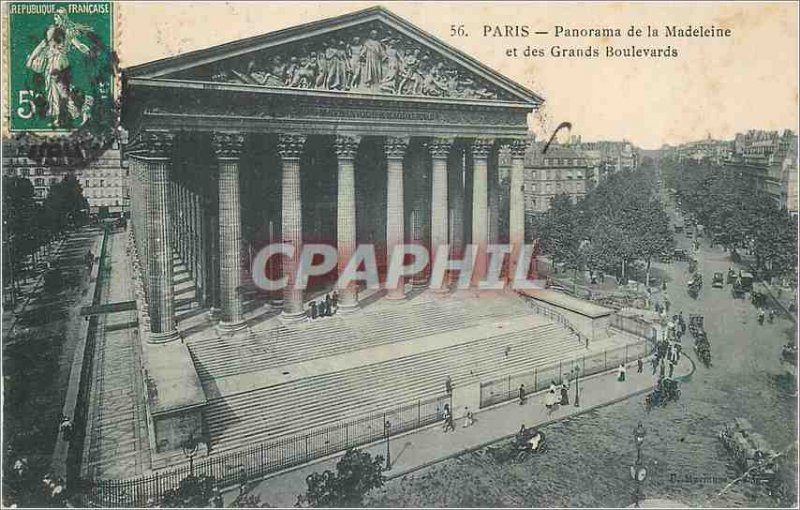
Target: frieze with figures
376,60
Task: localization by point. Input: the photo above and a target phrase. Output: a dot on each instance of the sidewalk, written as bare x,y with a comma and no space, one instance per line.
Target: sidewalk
427,446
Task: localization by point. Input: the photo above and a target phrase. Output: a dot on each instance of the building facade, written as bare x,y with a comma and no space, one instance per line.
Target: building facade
41,172
767,161
360,129
103,180
561,170
105,184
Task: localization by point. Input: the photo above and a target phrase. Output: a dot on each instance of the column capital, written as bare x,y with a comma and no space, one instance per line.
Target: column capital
290,146
504,155
395,147
157,144
440,147
518,147
346,147
227,145
481,147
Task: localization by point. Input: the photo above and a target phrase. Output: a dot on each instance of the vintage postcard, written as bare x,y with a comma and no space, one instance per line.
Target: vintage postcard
399,254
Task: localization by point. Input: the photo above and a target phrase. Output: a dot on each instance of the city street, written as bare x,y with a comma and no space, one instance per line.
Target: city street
37,358
589,456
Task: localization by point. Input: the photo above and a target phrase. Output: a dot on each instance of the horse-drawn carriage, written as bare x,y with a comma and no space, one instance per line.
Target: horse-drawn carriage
694,285
527,440
789,354
752,454
759,299
667,389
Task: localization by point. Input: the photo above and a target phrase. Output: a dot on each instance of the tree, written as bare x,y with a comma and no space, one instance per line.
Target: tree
192,492
559,231
21,218
357,473
652,233
64,204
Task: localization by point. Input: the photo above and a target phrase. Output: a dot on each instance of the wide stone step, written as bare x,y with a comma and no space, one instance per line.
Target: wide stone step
357,389
253,433
282,345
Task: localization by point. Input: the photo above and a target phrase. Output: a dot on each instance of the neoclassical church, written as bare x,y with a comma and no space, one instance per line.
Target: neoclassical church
358,129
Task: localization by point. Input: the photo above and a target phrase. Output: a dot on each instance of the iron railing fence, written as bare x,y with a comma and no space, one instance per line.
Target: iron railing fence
507,388
268,457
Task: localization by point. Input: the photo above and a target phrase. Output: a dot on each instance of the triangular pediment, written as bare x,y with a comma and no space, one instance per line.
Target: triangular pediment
367,52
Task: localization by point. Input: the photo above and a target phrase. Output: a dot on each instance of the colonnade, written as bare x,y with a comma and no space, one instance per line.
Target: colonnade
167,215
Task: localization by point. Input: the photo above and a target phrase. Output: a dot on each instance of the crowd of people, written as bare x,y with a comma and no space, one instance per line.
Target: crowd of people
326,307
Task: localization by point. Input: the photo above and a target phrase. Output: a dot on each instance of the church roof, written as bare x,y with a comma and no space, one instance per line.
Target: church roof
311,39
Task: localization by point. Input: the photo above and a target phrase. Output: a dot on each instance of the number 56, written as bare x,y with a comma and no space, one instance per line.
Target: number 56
26,105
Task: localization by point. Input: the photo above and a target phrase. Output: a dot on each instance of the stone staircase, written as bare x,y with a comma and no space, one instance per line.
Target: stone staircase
184,288
274,344
237,420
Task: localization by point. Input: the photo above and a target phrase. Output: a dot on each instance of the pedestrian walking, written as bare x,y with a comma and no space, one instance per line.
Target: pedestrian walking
671,368
217,500
639,366
521,394
564,395
621,372
507,350
469,419
313,310
335,299
448,385
666,304
654,362
551,400
661,370
448,419
328,303
65,427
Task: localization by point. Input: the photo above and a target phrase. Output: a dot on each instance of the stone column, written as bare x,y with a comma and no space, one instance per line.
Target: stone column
159,147
415,188
346,148
395,149
481,148
290,147
146,195
200,250
456,177
439,149
516,202
228,149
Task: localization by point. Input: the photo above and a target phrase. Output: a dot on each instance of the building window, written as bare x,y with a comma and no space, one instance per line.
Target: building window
102,183
39,181
40,171
24,172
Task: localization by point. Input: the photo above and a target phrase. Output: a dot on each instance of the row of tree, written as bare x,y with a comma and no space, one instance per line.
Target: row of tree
29,225
735,214
618,223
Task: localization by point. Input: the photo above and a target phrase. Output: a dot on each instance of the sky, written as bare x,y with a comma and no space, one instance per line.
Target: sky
715,86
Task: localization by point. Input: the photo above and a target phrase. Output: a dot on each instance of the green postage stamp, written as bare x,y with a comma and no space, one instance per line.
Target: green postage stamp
60,66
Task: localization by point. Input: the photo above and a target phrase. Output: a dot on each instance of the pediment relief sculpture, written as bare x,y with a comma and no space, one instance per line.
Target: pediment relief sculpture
376,60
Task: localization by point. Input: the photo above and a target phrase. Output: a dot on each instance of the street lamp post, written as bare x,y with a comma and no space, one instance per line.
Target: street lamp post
189,448
386,427
638,471
577,381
